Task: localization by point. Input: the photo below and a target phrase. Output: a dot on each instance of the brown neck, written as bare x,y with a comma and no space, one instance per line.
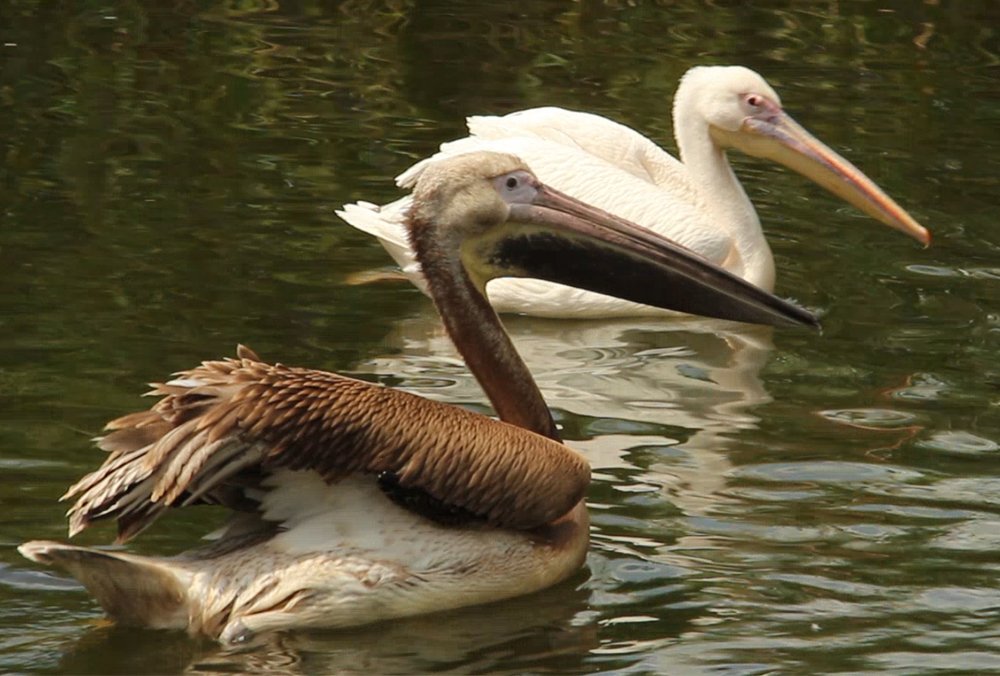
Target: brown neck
476,330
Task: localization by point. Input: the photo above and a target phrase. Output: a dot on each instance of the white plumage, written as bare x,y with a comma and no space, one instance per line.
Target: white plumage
696,201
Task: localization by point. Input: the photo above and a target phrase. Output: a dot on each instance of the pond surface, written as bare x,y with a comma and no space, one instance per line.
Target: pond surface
762,501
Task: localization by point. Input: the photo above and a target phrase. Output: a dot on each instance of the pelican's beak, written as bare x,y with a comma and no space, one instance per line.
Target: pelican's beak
774,135
560,239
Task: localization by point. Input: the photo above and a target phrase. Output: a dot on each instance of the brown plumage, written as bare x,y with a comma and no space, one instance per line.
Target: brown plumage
226,417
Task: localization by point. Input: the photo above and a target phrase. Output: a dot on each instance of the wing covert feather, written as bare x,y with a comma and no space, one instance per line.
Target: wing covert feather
225,417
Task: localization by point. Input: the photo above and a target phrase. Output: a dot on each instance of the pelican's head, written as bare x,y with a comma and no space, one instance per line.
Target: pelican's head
744,112
486,215
724,96
465,197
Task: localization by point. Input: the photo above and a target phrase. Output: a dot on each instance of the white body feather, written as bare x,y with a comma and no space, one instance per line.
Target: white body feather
345,555
610,166
357,557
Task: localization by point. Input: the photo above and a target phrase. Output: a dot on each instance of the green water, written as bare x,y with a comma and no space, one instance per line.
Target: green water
794,503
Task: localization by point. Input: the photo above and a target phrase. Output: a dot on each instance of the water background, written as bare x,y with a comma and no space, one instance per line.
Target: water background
786,503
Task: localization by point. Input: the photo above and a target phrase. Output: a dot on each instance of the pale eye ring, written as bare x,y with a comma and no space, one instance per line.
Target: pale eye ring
516,186
753,100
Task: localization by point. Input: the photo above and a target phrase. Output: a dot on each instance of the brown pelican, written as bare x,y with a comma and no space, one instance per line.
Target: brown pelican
354,502
696,201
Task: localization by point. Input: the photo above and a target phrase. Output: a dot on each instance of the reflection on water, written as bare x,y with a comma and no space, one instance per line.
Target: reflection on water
554,628
658,401
799,502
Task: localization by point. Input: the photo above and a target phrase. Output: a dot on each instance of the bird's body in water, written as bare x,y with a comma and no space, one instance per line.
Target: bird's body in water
353,502
696,201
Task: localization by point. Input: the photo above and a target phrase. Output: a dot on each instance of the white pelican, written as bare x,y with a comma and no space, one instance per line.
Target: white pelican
355,502
697,201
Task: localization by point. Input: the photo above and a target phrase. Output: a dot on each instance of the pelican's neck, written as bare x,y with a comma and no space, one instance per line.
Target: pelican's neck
476,330
721,194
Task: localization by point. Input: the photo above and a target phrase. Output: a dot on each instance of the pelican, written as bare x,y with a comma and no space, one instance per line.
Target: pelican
354,502
696,201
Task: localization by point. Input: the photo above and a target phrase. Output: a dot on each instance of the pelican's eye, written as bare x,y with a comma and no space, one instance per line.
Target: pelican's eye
753,100
516,186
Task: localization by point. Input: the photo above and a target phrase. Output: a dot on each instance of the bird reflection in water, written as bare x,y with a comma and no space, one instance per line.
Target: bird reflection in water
687,387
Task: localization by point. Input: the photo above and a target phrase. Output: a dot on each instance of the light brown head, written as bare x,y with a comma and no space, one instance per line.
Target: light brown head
461,196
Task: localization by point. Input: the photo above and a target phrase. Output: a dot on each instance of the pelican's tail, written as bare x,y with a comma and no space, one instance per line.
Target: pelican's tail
380,222
386,224
134,590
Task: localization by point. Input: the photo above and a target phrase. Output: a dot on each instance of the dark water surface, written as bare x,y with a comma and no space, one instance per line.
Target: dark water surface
795,503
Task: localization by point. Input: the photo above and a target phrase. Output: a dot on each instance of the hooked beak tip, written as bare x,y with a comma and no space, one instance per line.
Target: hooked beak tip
909,226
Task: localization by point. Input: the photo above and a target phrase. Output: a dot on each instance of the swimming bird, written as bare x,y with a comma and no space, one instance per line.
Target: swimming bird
354,502
697,201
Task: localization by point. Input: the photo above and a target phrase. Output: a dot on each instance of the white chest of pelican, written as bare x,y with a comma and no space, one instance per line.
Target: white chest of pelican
696,201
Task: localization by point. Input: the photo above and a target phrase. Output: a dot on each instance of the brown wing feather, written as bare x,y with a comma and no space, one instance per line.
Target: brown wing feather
224,418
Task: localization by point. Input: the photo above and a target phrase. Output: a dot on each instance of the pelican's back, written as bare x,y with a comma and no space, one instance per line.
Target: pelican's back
614,143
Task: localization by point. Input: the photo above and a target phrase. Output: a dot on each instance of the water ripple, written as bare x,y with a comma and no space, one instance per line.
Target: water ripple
827,472
959,443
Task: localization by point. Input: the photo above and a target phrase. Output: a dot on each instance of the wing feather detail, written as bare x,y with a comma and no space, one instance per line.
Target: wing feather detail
223,419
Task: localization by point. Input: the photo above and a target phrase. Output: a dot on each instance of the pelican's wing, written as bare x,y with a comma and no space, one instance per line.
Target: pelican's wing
224,419
614,143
